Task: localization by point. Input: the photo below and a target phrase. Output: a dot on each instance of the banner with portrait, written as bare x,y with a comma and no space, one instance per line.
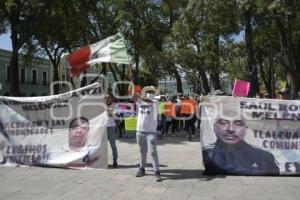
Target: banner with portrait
66,130
247,136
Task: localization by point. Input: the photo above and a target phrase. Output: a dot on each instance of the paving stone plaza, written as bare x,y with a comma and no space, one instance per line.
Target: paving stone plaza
181,169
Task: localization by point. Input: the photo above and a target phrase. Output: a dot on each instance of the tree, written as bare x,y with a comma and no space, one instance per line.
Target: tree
65,26
285,14
18,15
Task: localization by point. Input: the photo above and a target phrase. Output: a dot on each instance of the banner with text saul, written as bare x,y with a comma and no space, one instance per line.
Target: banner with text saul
66,130
247,136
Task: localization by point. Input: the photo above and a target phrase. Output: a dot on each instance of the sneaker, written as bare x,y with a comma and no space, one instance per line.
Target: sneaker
115,164
140,172
158,177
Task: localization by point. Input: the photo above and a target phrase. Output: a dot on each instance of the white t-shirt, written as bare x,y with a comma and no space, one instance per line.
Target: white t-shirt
147,116
111,120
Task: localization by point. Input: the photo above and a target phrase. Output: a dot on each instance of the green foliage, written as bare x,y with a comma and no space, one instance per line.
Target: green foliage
167,38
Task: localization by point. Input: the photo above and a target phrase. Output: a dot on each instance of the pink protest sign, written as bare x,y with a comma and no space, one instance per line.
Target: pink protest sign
241,88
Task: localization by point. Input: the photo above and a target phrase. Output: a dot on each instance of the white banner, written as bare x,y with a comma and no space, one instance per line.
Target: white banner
66,130
248,136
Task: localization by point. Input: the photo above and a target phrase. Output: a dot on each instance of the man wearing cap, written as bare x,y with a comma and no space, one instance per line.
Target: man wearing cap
230,154
285,94
146,129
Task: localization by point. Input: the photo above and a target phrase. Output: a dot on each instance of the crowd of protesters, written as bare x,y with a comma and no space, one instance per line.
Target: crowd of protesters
175,114
158,117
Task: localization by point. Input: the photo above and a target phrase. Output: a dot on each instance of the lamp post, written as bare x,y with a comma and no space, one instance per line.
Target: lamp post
165,85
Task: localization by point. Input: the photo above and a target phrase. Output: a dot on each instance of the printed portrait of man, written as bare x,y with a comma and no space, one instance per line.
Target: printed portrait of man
78,133
231,154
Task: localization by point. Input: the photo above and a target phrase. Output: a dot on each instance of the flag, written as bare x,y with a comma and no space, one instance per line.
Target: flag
109,50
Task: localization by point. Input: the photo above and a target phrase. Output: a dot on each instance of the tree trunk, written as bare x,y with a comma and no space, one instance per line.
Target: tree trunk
55,78
288,53
136,75
115,76
14,60
215,74
254,88
104,70
178,81
205,84
14,74
215,79
123,75
267,77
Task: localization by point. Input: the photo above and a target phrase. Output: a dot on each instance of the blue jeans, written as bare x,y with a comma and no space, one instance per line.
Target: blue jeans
148,141
111,135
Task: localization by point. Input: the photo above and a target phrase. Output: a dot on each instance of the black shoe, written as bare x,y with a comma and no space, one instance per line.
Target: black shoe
157,176
115,164
141,172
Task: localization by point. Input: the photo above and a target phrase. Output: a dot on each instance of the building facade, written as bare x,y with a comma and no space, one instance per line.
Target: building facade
34,77
169,87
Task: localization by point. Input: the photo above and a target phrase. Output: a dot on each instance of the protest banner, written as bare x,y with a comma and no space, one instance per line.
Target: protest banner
66,130
125,109
247,136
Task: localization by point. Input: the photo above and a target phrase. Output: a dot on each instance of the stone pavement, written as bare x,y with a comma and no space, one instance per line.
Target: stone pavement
181,169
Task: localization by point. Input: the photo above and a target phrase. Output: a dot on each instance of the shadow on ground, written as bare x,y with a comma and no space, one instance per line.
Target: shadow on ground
134,166
180,174
177,139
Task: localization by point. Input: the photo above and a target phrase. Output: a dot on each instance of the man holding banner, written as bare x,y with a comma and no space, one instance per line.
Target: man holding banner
230,154
111,128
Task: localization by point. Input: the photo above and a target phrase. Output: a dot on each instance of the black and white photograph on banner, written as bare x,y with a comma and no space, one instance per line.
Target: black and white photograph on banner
246,136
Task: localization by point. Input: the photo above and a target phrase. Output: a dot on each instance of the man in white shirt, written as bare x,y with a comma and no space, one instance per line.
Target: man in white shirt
147,109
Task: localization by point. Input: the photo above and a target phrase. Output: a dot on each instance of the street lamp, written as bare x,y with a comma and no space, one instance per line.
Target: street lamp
165,85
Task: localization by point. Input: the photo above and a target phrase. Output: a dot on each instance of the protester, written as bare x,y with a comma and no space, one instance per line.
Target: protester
121,125
198,110
161,129
187,110
175,121
169,114
111,128
146,130
258,95
285,94
230,154
267,96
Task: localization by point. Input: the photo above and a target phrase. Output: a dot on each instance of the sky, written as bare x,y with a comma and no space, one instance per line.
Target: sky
5,42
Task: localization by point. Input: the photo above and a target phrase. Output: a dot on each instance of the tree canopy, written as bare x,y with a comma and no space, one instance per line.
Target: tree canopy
191,39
